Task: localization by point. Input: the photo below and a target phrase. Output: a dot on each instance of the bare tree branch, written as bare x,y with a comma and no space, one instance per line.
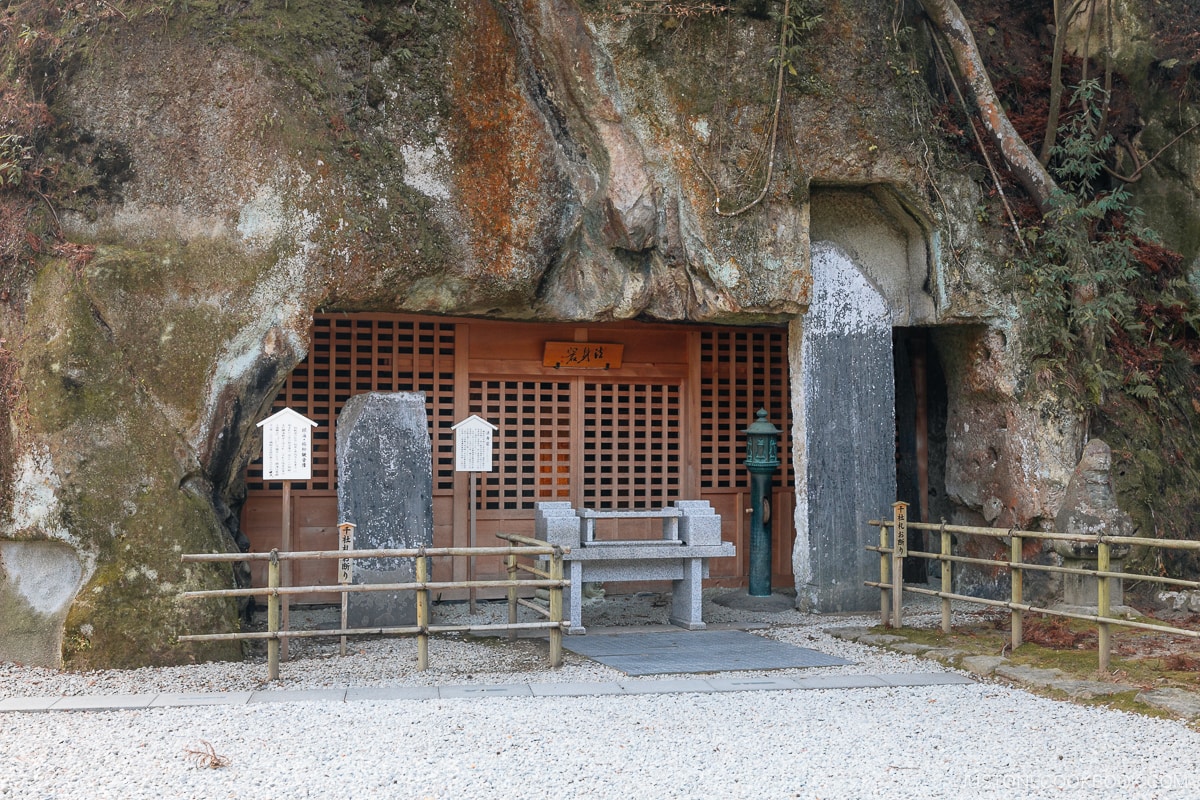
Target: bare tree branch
1139,165
948,19
1062,21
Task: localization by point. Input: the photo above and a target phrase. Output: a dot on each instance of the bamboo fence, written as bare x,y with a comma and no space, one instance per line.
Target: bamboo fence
891,575
519,547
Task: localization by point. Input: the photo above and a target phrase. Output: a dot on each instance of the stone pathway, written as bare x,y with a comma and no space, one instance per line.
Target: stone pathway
630,687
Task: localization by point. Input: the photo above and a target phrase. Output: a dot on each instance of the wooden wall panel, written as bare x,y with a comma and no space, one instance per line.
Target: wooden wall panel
666,424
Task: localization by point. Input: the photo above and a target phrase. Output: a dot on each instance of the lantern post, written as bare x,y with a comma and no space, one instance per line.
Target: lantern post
762,459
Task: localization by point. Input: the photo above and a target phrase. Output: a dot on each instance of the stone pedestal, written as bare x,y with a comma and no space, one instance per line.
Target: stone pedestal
385,487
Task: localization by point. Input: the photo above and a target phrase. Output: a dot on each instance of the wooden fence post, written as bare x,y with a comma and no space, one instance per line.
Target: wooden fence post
1103,603
1017,577
556,608
422,611
947,582
345,572
899,551
286,571
510,561
273,617
885,559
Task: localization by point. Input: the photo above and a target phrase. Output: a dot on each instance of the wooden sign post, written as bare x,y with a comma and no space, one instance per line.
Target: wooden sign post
473,454
345,569
899,552
287,457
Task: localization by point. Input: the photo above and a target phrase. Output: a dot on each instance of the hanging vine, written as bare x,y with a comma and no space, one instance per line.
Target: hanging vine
793,20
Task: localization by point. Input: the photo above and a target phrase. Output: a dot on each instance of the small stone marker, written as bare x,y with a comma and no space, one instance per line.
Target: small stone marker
385,488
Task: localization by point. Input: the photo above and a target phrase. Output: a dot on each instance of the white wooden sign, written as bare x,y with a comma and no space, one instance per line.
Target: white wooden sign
287,446
473,444
346,544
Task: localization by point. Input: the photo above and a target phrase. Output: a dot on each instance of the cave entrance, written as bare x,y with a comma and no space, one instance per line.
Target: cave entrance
665,425
921,409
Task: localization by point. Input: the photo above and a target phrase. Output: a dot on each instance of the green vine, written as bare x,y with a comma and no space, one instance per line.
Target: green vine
795,18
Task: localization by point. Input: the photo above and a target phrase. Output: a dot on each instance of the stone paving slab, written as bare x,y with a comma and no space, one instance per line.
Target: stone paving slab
927,679
401,693
842,682
498,690
573,689
369,693
751,684
695,651
201,699
1177,701
27,703
102,702
668,686
298,696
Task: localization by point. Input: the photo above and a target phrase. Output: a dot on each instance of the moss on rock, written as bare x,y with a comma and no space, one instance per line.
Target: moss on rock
1156,472
125,497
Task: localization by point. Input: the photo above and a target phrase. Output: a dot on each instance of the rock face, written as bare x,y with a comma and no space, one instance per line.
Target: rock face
225,170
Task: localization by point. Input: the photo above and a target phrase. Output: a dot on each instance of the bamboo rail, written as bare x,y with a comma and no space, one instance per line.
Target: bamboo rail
551,579
891,576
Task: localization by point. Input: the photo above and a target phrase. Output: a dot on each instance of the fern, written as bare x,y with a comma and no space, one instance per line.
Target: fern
1082,264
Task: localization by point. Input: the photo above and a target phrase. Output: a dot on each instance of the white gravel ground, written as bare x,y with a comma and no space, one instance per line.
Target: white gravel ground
973,741
453,659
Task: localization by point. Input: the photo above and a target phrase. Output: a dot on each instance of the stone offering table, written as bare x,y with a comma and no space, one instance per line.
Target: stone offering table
691,535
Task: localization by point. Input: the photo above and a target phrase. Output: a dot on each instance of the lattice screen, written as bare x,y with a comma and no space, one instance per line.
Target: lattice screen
533,445
365,353
633,445
630,441
741,371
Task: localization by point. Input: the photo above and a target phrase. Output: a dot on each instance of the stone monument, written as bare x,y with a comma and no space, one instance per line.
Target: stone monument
1090,509
385,487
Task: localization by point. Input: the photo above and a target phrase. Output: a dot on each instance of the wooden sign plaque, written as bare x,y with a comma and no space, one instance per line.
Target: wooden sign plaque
583,355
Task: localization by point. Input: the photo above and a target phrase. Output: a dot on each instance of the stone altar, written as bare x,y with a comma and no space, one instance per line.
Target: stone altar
691,536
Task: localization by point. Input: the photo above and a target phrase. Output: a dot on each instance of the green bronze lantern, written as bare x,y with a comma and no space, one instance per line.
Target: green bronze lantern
762,459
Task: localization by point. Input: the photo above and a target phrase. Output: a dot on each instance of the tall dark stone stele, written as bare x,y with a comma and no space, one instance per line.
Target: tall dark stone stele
385,487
